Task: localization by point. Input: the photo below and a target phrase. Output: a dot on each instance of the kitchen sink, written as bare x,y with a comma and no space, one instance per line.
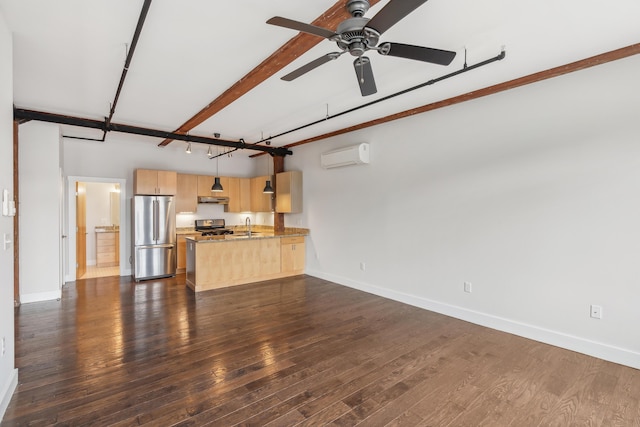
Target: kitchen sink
243,235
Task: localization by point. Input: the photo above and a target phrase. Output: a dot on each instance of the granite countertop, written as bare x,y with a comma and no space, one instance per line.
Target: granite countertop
186,230
107,229
257,234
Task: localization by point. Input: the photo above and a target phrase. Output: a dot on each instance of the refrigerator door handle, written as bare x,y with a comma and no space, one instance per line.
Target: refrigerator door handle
155,220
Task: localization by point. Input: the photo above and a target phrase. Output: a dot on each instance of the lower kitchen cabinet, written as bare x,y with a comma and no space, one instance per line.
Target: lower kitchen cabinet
107,249
245,260
292,254
182,252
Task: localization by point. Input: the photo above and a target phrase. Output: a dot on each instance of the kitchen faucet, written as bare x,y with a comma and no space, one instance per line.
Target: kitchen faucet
247,223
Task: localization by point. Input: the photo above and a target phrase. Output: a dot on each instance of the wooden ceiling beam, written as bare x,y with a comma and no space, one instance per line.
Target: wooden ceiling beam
613,55
282,57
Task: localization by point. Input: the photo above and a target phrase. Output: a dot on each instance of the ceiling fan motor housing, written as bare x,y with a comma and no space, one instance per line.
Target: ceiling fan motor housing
354,37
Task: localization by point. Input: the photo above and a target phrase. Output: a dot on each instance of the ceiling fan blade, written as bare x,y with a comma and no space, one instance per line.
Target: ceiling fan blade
419,53
310,66
393,12
364,73
301,26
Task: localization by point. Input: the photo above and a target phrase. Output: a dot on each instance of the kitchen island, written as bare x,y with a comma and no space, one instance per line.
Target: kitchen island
221,261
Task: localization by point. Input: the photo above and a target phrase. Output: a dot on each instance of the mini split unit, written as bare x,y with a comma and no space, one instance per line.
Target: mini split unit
353,155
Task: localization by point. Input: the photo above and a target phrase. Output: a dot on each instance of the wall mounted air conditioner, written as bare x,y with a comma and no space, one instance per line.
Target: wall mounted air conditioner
353,155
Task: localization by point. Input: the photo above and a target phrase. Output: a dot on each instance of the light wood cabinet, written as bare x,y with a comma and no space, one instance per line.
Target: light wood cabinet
107,249
243,261
261,202
232,262
239,195
289,192
205,182
187,194
155,182
182,251
292,255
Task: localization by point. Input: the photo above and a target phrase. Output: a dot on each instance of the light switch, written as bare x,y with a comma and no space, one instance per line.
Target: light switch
7,241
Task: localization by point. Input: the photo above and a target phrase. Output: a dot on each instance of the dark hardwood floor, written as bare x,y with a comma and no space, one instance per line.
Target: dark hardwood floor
299,351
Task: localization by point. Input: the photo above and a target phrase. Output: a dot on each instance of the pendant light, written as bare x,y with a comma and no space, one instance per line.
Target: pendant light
216,187
210,153
268,189
188,150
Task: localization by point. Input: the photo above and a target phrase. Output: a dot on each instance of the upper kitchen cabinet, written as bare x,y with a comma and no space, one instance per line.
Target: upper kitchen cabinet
205,182
187,194
147,181
289,192
261,202
239,195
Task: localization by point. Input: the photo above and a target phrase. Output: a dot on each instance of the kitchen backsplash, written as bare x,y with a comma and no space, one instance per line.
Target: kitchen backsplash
206,211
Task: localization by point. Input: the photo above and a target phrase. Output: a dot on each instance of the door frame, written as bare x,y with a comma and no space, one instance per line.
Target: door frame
70,220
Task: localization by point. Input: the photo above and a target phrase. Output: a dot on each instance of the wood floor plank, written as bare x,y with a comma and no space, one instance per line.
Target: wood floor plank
296,351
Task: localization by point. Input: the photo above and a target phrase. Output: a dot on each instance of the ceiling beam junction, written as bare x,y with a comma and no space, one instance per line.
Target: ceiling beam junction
22,114
279,59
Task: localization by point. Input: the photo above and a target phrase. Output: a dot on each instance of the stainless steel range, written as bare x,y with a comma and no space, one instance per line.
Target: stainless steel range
212,227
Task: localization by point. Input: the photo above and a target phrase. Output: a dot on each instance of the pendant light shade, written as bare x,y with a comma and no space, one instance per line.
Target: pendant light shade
216,187
268,188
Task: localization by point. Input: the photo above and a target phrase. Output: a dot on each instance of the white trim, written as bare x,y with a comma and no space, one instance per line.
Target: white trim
559,339
125,268
40,296
7,392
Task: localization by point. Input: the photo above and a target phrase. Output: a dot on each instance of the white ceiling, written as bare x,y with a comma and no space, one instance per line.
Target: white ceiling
69,55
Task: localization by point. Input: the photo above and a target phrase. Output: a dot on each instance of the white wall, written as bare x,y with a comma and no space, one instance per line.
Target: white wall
40,208
532,195
8,373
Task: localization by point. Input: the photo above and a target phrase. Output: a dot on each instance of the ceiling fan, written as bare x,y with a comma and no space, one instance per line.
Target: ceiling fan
358,35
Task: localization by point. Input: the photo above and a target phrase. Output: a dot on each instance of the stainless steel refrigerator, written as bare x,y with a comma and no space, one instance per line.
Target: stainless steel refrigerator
154,237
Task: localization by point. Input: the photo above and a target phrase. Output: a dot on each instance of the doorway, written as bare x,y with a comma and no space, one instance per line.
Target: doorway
96,232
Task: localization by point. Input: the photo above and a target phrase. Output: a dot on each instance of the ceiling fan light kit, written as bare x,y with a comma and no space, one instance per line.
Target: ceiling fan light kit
358,34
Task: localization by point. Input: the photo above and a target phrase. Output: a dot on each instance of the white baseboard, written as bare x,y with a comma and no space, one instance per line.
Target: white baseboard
559,339
41,296
7,392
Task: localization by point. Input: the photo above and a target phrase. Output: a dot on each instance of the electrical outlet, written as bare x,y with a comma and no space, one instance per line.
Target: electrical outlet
467,287
363,266
596,311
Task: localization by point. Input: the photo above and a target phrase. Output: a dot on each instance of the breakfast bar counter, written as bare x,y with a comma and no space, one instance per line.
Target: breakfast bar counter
235,259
